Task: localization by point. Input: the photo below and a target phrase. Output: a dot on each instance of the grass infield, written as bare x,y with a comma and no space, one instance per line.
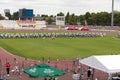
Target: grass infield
61,48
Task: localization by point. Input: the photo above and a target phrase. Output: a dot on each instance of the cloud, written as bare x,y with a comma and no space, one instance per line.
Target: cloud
55,6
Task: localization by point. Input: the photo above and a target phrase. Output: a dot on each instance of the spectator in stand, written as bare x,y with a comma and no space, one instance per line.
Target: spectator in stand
8,68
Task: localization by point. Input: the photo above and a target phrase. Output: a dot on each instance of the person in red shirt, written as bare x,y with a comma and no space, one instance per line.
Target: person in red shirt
8,68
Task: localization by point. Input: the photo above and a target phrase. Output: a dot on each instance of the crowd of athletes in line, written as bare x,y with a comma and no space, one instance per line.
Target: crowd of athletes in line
52,35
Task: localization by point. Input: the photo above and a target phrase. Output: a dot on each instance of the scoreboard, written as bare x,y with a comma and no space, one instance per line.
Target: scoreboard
60,20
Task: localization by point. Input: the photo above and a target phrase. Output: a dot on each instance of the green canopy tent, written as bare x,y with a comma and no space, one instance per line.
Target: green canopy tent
43,70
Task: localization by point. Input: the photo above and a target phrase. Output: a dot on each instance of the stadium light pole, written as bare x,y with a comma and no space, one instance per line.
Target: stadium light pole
112,16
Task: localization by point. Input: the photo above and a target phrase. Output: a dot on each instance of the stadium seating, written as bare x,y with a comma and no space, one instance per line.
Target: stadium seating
9,24
40,24
1,26
26,22
21,24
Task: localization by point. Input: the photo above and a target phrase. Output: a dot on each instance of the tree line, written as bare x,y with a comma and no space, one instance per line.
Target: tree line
100,18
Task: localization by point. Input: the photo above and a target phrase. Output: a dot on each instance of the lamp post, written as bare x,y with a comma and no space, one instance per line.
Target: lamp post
78,23
112,16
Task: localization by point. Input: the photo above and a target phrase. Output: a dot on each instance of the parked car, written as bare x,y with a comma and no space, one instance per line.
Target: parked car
84,28
71,28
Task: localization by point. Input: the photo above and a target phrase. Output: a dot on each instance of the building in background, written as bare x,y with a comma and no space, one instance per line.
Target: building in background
26,14
38,18
6,10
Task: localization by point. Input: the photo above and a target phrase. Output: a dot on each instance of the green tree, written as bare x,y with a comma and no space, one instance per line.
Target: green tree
116,18
60,14
87,16
72,19
50,20
1,17
7,14
92,19
67,18
81,17
44,17
15,16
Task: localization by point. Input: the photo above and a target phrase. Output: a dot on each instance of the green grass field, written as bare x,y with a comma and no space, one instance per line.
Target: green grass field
61,48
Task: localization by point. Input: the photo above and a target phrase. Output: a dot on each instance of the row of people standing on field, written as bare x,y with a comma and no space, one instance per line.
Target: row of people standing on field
60,34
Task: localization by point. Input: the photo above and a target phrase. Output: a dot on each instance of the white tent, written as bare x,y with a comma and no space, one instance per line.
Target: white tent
106,63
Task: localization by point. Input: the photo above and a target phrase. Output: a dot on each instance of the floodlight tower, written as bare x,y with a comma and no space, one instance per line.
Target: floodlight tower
112,16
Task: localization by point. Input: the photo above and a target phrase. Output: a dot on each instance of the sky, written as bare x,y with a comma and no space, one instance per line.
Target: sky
52,7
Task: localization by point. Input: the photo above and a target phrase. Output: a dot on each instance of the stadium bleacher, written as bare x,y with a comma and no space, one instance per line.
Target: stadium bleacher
9,24
21,24
1,26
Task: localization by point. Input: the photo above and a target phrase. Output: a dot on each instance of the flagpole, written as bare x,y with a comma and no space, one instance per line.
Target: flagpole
112,16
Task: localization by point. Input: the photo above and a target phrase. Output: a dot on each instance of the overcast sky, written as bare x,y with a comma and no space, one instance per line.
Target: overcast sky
52,7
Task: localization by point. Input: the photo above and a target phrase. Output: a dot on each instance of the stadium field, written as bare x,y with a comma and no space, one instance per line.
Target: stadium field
61,48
